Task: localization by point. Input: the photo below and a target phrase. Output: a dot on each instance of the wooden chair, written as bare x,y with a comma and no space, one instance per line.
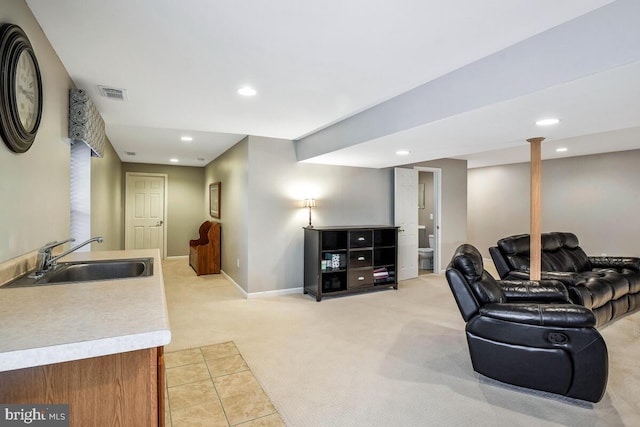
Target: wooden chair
204,252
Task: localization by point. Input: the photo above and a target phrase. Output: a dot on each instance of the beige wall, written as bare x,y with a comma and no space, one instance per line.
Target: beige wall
454,206
231,169
34,186
261,209
106,201
596,196
277,186
185,204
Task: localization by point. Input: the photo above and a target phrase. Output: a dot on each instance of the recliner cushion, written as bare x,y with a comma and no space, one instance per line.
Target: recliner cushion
487,290
560,252
468,261
550,241
601,287
515,245
516,251
633,277
569,240
571,247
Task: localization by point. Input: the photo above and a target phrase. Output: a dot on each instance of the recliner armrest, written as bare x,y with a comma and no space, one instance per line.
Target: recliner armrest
539,291
631,263
556,315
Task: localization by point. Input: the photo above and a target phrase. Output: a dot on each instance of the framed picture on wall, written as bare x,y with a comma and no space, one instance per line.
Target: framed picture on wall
214,199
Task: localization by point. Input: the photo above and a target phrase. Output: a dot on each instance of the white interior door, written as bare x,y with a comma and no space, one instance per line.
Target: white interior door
406,217
145,211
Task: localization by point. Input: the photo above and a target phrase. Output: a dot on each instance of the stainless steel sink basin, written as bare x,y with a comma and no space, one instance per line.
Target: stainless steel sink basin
89,271
99,270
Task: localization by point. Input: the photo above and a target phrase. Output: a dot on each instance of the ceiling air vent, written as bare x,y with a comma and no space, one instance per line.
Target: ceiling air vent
113,93
131,153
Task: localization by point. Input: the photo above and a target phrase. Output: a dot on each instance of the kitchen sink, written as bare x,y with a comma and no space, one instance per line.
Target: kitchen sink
89,271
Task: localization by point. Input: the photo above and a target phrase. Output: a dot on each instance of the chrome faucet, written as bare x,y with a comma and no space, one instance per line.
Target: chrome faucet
45,261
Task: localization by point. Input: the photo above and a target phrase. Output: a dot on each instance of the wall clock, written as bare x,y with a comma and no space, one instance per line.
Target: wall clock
20,89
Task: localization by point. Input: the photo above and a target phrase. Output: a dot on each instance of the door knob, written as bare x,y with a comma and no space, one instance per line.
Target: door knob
160,223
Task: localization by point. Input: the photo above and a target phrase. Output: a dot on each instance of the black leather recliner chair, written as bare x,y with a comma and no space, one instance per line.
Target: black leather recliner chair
527,333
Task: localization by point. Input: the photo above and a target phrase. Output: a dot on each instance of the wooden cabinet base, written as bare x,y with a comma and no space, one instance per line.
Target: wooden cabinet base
122,389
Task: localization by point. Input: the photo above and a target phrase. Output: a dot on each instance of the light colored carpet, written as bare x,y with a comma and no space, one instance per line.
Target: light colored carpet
388,358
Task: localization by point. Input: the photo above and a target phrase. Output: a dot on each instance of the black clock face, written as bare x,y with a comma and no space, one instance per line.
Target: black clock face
20,89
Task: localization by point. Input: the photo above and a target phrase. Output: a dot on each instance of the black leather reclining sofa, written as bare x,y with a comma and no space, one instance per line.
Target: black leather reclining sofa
608,286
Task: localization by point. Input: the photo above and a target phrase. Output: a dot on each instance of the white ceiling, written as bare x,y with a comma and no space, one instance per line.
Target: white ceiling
315,64
497,133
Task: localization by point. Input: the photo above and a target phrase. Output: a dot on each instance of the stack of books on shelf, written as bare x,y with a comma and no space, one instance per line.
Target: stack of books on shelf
382,275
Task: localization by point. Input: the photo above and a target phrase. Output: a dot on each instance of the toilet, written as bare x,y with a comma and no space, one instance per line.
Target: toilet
425,255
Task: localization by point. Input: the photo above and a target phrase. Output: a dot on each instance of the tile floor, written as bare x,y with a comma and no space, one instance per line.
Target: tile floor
213,386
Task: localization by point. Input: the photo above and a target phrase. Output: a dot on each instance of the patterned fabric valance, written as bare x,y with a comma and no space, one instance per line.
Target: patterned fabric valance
85,122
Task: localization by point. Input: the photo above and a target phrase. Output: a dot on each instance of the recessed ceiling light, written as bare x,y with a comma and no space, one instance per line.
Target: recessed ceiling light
186,138
547,122
402,152
247,91
561,149
174,160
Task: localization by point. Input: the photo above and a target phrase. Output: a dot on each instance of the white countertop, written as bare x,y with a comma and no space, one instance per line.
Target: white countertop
41,325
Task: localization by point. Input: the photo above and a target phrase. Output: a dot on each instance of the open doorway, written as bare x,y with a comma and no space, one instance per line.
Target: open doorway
406,217
428,220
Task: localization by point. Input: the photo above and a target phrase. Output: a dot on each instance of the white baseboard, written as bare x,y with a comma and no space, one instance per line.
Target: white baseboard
265,294
275,293
177,257
238,287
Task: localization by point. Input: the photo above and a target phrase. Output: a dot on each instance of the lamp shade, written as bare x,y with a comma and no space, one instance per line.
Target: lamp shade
309,203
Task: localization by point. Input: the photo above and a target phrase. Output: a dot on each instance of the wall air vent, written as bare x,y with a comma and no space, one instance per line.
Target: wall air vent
113,93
